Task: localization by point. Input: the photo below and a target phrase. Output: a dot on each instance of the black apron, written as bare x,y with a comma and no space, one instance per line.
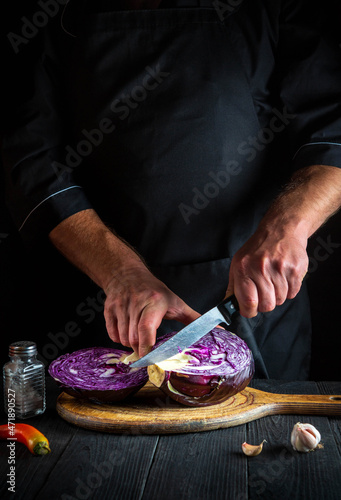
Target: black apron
160,105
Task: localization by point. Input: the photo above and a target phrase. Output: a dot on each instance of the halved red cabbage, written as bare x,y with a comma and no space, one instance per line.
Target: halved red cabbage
213,369
98,374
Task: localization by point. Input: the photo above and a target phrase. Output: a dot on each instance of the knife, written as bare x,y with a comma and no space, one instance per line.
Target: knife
222,313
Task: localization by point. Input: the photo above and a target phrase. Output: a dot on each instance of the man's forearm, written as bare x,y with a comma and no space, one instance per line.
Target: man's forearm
88,244
136,301
311,197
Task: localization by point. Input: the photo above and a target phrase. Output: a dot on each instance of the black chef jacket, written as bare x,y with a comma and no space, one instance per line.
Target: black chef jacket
178,126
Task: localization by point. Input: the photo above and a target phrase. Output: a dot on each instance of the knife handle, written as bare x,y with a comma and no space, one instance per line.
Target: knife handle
228,307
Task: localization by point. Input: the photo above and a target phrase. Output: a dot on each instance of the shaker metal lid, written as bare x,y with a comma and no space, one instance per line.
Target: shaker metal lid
22,347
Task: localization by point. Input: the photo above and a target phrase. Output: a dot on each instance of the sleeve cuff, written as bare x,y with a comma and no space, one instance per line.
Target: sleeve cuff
51,211
318,153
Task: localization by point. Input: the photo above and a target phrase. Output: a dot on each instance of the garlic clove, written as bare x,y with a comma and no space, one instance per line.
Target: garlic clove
304,437
252,450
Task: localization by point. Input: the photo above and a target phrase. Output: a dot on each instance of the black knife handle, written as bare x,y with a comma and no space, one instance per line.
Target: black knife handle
228,307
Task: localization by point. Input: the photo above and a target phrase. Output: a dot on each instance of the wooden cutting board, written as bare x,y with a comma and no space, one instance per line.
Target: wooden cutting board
151,412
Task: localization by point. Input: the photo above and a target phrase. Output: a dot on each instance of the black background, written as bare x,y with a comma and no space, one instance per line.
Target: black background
44,298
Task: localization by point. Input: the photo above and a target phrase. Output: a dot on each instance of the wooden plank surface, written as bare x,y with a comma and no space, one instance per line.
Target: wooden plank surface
205,465
113,467
31,471
335,423
279,472
86,464
81,465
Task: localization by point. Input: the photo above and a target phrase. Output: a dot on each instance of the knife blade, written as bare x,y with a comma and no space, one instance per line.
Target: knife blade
222,313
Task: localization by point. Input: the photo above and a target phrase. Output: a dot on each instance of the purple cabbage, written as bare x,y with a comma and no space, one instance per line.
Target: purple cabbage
98,374
220,365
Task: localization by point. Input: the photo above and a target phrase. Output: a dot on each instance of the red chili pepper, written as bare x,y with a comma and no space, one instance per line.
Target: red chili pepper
35,441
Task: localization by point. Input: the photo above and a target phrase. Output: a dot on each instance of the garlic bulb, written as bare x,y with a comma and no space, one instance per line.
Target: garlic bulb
305,437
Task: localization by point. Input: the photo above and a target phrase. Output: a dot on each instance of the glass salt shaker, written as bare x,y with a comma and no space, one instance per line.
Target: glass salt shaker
24,380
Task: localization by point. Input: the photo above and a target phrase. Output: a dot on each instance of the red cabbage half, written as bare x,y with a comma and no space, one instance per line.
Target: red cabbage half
213,369
98,374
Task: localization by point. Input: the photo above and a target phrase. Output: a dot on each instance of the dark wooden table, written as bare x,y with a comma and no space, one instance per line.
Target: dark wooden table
208,465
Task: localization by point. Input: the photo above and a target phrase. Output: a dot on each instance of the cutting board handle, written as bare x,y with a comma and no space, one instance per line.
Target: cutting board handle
318,404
